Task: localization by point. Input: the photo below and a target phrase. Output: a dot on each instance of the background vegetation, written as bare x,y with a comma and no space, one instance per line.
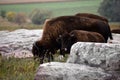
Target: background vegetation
110,9
57,8
34,14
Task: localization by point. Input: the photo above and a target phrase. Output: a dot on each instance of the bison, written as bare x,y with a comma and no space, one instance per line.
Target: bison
116,31
68,39
65,24
88,15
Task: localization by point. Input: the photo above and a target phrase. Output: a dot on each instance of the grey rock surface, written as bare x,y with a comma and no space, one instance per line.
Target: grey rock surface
18,43
104,55
69,71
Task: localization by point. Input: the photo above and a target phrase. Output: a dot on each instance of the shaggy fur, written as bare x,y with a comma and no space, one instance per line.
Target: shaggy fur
68,39
116,31
65,24
92,16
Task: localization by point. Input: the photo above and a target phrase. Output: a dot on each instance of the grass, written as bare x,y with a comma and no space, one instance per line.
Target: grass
20,69
58,8
12,28
17,69
115,25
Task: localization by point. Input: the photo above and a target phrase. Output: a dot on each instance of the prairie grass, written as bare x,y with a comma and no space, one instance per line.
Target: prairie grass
115,25
20,69
17,69
12,28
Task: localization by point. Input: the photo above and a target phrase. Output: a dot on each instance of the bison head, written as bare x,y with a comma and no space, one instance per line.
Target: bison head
66,40
38,50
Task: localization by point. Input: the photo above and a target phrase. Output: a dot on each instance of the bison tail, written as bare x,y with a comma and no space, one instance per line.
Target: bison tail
110,33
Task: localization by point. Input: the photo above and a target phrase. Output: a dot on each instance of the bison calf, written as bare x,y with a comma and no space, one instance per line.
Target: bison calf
68,39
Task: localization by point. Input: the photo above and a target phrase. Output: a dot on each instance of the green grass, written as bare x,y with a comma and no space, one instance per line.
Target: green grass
58,8
17,69
20,69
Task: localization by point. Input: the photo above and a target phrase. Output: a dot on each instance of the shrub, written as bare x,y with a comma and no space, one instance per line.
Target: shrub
20,18
110,9
3,13
11,16
39,16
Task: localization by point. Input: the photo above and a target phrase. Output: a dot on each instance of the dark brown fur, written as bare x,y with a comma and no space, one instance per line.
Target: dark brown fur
116,31
68,39
86,36
92,16
65,24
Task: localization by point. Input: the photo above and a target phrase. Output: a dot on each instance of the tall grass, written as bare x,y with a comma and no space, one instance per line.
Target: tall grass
17,69
20,69
28,26
114,25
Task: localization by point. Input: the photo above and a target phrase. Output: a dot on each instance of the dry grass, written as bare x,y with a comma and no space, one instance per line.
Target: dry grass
10,26
115,25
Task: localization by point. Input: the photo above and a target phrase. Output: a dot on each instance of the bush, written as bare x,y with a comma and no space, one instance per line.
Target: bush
3,13
20,18
39,16
110,9
11,16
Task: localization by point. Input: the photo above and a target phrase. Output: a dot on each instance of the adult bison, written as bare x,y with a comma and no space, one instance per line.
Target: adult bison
65,24
88,15
116,31
68,39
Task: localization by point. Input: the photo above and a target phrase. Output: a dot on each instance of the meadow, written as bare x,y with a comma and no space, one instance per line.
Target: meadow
57,8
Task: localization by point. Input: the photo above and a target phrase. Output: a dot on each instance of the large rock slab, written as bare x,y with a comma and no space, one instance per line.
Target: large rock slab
68,71
102,55
18,43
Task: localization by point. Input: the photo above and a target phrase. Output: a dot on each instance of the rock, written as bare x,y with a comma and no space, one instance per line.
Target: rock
18,54
116,39
102,55
113,62
69,71
18,42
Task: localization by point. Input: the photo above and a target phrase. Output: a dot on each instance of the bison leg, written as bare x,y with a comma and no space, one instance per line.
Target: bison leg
42,59
62,53
49,55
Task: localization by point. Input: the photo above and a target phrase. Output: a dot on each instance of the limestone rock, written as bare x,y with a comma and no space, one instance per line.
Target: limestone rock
68,71
18,42
102,55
